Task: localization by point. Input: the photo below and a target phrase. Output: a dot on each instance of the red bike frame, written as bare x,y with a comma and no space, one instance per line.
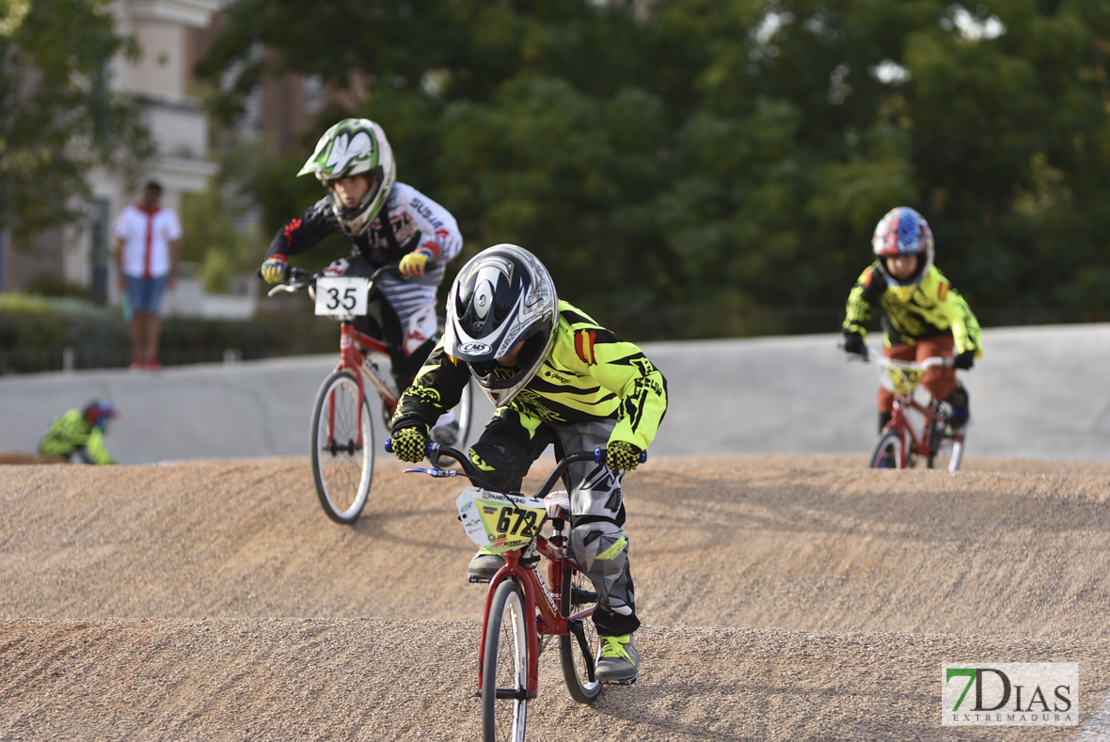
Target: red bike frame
918,445
547,599
909,441
549,621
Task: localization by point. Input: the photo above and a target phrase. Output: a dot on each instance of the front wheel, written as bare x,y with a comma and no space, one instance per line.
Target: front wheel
576,649
946,448
505,667
342,447
888,452
464,414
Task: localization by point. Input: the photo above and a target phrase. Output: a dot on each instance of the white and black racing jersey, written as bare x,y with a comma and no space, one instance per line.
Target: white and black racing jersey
408,220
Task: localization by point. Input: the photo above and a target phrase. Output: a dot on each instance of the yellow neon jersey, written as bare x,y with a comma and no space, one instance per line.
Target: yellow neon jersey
590,373
929,307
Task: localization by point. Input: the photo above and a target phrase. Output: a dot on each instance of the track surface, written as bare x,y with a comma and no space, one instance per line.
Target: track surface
784,597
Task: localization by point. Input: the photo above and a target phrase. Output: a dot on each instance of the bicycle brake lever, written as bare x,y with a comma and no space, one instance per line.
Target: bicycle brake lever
438,473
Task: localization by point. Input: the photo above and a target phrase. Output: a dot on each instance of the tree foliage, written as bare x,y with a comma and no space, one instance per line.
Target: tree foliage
731,152
58,120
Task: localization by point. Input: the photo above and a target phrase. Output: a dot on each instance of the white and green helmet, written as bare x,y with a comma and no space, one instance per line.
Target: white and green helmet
351,147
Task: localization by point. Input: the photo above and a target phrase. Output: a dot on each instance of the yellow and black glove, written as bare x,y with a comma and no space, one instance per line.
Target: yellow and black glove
273,268
622,456
410,444
415,262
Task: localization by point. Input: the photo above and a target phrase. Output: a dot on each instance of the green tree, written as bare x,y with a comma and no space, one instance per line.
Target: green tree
58,118
733,152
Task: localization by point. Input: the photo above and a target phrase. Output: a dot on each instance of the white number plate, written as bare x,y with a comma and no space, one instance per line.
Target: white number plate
341,296
491,520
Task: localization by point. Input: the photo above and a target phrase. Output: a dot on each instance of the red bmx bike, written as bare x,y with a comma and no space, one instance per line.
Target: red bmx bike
342,446
528,600
918,430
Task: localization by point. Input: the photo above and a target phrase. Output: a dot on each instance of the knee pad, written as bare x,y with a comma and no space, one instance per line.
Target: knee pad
600,547
503,464
337,267
958,397
420,329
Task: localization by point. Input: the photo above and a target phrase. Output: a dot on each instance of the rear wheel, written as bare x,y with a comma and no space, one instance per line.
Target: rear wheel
505,667
342,447
576,649
888,452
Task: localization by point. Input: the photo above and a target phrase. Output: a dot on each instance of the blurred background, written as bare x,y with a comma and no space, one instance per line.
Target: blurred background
688,169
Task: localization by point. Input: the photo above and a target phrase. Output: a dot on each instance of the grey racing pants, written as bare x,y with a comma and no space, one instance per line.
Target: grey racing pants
506,450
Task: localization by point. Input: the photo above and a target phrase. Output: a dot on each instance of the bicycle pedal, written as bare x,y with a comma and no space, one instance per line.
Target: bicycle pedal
629,681
477,580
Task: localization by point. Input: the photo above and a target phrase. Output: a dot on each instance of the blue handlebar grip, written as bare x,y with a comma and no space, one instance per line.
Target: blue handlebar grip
389,445
643,457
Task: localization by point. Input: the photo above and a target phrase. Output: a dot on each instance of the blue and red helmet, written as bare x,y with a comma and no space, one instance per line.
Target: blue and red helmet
98,412
903,232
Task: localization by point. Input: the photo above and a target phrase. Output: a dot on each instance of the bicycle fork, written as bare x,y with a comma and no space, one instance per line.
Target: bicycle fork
514,571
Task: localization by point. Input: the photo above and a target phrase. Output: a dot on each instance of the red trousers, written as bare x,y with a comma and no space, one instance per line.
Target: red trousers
939,380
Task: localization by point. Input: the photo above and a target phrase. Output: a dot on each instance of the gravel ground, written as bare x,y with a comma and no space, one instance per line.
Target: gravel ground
784,597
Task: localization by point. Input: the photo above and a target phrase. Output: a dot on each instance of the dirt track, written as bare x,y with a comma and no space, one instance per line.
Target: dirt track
785,597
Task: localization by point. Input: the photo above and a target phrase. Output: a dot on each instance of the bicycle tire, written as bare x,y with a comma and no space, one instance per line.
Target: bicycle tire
505,667
577,649
464,414
342,470
890,439
949,452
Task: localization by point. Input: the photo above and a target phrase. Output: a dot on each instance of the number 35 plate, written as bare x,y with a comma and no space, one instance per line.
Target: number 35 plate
341,296
491,520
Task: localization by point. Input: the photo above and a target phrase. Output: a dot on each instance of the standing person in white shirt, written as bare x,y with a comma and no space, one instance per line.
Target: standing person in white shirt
148,250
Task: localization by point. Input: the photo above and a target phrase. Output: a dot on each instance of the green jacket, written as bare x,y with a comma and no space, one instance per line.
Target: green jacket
929,307
69,432
590,374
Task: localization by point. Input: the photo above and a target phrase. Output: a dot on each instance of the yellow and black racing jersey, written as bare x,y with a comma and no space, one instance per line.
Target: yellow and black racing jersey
590,373
69,432
927,308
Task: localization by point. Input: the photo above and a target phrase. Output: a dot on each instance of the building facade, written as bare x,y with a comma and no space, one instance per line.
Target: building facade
161,82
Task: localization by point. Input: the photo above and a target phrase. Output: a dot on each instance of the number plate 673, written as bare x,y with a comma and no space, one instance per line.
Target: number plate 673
341,296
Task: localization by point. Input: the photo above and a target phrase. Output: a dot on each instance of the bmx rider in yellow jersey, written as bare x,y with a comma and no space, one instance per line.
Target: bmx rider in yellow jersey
556,377
924,315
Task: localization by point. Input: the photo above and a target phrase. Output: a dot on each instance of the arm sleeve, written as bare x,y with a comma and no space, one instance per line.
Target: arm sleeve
622,368
303,234
439,232
438,387
863,294
118,229
97,449
965,327
173,226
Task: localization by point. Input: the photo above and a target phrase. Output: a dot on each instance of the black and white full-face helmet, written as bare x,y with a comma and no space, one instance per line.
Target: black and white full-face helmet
503,297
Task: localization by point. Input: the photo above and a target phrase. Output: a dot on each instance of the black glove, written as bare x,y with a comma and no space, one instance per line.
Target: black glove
853,343
965,360
620,455
410,444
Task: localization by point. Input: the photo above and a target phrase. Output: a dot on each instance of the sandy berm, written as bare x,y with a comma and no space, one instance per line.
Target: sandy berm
784,598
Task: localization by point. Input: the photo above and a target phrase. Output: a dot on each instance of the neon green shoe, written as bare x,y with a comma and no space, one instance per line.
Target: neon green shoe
620,660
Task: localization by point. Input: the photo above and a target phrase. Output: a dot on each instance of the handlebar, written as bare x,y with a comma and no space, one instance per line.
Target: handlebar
880,359
290,282
471,472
